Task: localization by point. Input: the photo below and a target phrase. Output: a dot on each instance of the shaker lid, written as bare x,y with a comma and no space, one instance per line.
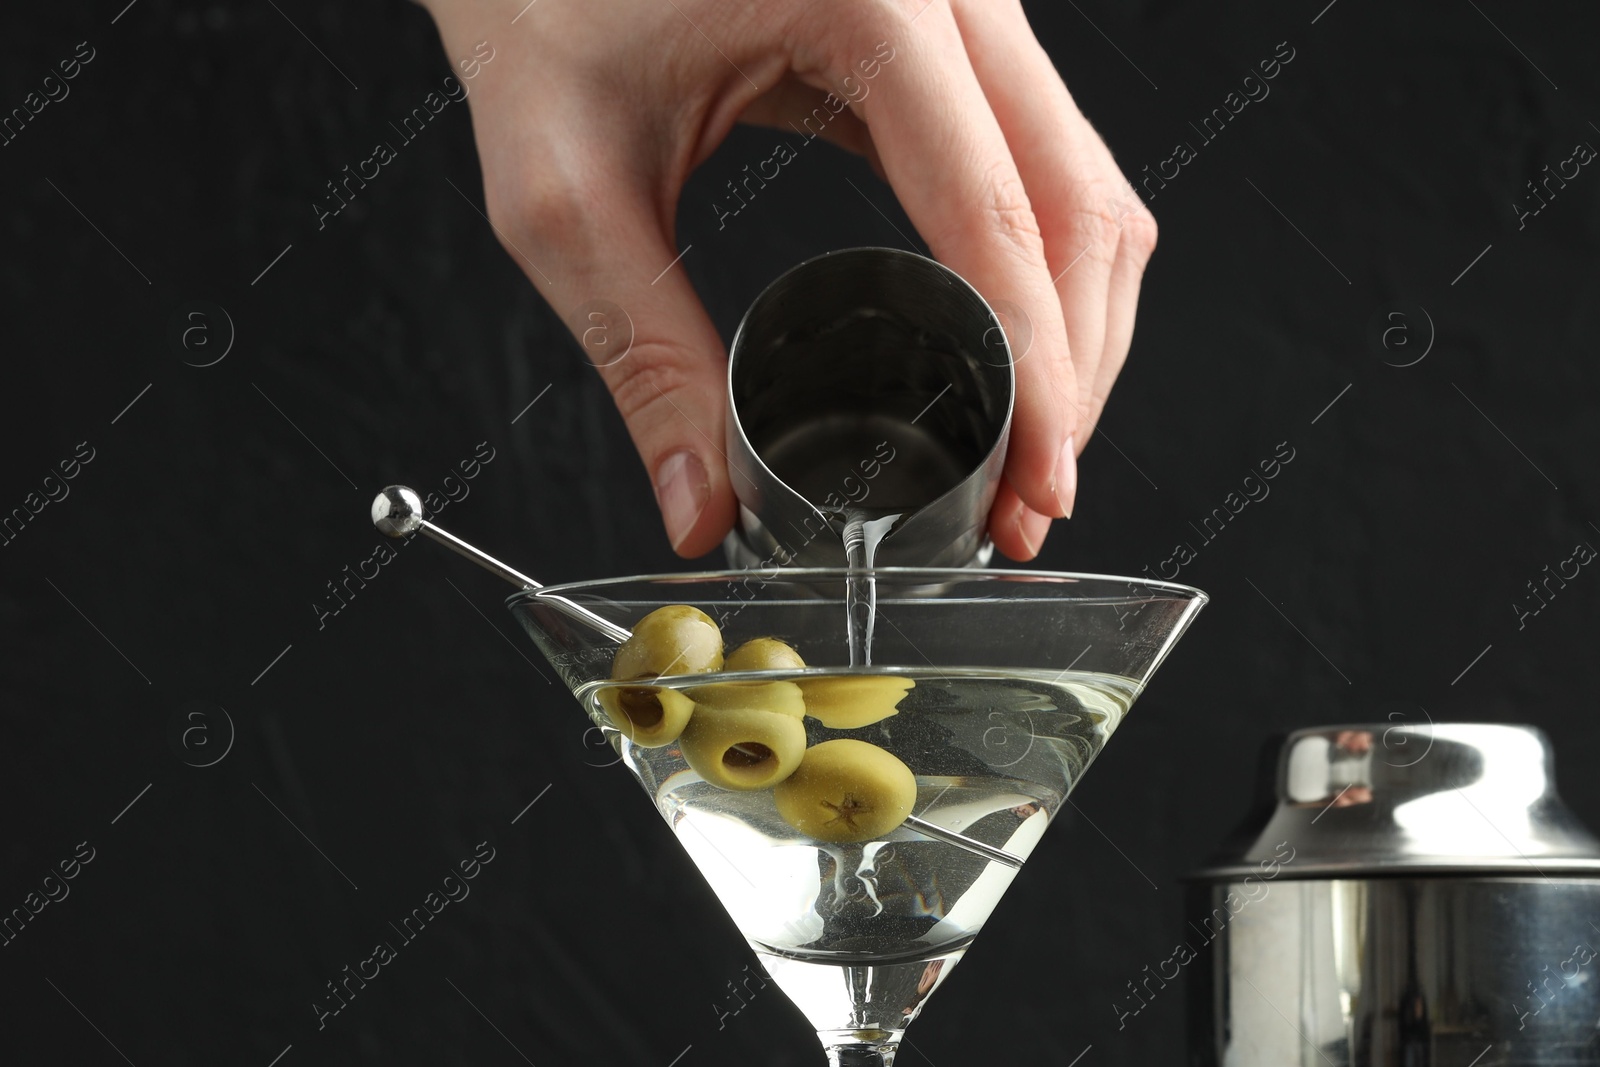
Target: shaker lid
1432,798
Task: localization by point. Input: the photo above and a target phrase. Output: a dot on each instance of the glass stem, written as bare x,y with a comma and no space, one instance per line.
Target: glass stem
846,1049
861,1056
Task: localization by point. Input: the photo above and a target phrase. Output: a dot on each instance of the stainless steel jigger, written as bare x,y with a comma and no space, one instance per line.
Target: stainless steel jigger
873,380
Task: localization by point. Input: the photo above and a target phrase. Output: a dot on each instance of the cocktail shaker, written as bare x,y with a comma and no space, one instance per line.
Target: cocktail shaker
869,382
1412,894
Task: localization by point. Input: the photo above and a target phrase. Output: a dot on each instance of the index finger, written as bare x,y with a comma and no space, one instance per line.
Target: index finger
947,160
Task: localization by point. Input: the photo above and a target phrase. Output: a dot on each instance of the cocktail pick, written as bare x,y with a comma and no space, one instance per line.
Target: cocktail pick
397,512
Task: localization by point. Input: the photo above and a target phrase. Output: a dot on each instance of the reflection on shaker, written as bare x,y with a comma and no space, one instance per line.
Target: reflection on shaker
1331,771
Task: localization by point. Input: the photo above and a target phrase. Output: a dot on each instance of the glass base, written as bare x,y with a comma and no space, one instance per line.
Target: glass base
860,1048
860,1011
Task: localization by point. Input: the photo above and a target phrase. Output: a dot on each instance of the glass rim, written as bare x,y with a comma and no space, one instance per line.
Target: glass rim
1183,592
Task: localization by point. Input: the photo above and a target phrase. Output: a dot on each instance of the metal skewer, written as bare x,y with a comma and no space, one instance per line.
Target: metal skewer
397,512
960,840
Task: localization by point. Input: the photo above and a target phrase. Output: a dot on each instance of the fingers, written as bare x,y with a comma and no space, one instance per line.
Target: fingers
1122,302
1096,232
1016,529
592,237
585,142
792,103
948,162
670,385
671,389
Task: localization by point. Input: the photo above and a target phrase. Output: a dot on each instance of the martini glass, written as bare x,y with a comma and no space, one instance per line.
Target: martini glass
994,690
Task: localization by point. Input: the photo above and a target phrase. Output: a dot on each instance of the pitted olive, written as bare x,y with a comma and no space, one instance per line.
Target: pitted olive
676,639
781,697
743,748
847,791
764,654
650,716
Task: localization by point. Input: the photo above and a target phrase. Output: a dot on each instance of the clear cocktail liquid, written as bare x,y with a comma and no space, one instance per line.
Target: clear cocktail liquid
995,754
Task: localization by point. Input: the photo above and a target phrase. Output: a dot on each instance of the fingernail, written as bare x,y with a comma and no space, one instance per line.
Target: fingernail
1066,481
682,490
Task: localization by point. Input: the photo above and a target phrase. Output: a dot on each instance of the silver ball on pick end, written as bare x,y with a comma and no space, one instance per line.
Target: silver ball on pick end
397,511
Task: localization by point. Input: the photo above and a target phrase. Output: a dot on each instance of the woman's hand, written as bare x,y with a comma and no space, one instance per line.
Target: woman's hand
593,114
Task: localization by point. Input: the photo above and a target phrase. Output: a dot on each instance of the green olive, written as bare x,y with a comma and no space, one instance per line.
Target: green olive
849,702
760,654
743,748
676,639
650,716
764,654
847,791
784,698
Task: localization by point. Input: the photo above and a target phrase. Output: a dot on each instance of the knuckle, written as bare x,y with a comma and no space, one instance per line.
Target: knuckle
1098,222
1106,220
902,12
1095,403
655,369
1012,212
543,213
1139,233
854,27
878,15
1006,213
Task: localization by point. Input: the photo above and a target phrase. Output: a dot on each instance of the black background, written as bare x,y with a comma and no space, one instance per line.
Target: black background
413,724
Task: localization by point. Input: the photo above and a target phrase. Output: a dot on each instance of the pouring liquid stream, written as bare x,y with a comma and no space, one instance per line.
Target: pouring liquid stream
862,533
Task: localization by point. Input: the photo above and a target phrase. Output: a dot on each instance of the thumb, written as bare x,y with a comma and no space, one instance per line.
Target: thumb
646,332
591,226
